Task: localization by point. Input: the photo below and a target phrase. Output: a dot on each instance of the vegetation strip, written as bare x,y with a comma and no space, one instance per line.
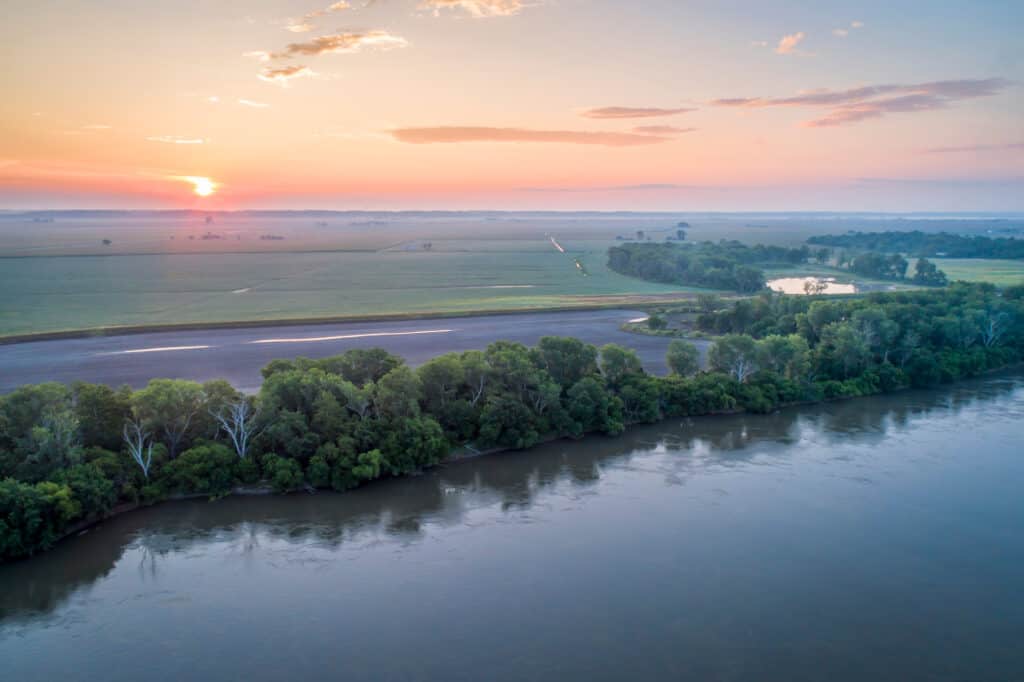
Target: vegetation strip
932,245
70,455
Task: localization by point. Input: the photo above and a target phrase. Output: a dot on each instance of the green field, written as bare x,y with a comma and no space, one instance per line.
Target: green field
49,294
181,268
1000,272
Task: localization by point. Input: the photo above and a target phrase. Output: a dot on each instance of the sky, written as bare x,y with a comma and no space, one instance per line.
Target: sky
901,105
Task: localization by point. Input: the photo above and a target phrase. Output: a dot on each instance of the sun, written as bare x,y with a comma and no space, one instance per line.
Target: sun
201,186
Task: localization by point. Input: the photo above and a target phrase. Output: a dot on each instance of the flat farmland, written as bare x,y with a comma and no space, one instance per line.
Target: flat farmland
60,293
78,270
999,272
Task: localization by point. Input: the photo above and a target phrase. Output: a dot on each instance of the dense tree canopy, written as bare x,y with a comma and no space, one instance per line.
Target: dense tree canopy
926,244
69,455
721,265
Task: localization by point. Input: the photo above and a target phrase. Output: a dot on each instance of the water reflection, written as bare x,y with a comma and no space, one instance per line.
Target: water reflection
397,511
810,285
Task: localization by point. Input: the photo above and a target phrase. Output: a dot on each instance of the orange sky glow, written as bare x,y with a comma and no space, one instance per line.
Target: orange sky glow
510,104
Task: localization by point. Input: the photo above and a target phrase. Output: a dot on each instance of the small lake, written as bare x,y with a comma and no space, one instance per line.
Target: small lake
810,285
875,539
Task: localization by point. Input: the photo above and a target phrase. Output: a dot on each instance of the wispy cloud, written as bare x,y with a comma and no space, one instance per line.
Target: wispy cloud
662,130
339,43
632,112
476,8
788,44
645,187
455,134
875,101
283,75
1003,147
844,31
97,126
261,55
305,23
176,139
253,104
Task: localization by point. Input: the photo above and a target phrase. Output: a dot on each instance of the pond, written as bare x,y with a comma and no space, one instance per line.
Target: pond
811,285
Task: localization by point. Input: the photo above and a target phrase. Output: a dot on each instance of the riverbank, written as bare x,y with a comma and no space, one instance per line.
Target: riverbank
465,452
343,421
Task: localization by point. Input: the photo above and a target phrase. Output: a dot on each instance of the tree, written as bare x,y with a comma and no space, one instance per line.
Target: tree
591,407
239,421
787,356
877,330
814,286
734,354
477,370
656,322
362,366
709,303
440,380
397,394
994,324
101,411
507,422
683,358
927,274
169,406
209,469
843,346
140,447
566,360
618,363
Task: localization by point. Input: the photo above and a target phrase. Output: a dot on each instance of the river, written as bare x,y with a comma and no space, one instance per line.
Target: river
875,539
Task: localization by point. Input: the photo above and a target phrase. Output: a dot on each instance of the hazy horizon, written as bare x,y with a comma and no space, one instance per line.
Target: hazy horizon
700,106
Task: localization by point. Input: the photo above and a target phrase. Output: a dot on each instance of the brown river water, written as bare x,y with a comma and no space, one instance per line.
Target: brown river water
875,539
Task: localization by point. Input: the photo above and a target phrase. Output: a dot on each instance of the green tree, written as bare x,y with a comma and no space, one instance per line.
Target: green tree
168,408
506,422
656,322
787,356
927,274
592,407
735,355
209,469
397,394
362,366
101,412
565,359
683,358
441,379
618,363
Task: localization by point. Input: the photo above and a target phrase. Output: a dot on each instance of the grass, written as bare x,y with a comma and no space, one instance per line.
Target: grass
999,272
51,293
159,270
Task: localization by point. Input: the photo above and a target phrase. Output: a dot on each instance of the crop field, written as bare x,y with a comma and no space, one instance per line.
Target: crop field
1000,272
81,270
58,293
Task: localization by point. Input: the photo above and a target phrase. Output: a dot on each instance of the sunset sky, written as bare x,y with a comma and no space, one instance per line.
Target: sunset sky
506,104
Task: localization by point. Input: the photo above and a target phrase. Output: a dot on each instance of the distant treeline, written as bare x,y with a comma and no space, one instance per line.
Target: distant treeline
924,244
70,455
717,265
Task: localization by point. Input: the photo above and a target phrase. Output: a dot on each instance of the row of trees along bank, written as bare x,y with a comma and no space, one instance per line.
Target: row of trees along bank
69,455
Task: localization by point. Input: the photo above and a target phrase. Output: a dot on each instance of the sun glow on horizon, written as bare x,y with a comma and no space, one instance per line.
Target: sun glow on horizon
201,186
